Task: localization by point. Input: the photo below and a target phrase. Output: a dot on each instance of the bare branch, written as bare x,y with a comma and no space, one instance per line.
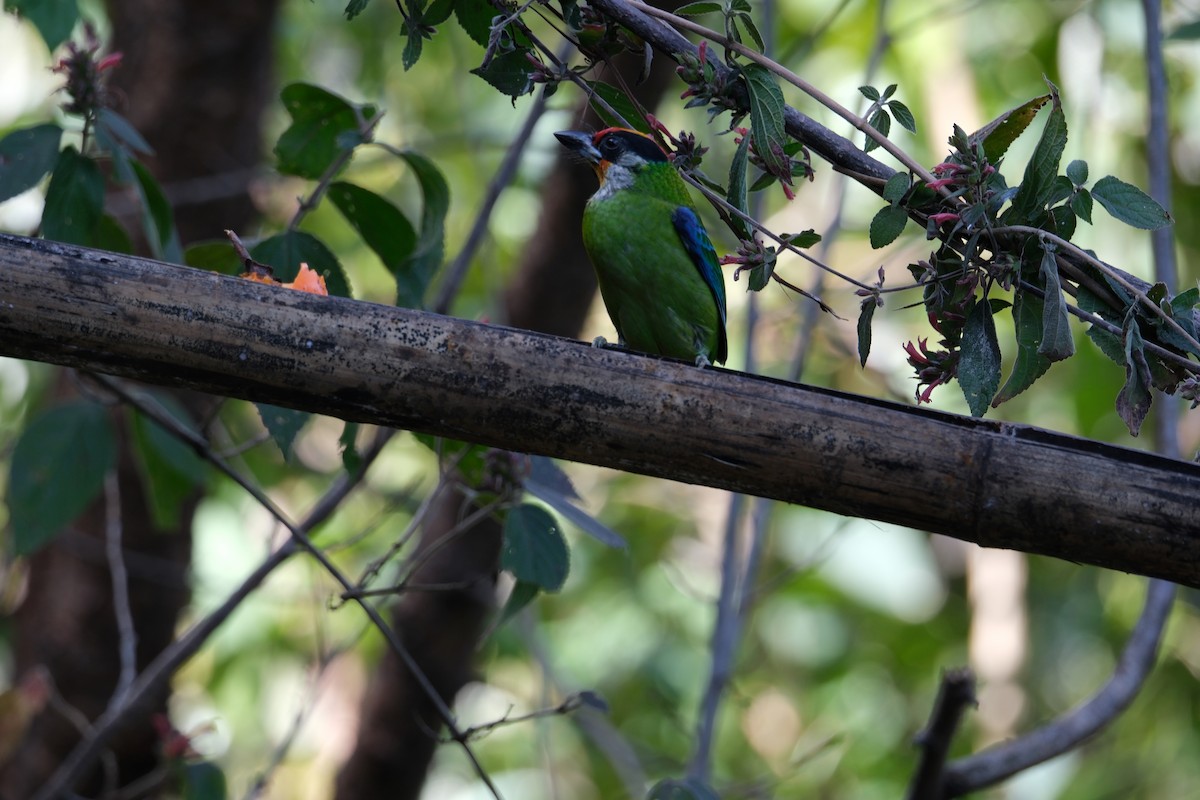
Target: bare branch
995,764
957,691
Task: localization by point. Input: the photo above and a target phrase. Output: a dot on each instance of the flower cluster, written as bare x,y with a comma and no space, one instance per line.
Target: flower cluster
84,69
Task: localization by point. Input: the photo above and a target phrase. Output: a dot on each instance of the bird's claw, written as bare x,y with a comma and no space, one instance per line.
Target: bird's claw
702,361
600,341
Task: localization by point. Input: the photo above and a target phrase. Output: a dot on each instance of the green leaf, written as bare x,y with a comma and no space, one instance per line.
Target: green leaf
535,550
324,125
158,219
979,363
766,118
881,122
865,315
355,7
896,187
1001,132
351,459
58,468
509,72
416,271
203,781
1185,32
551,485
1057,341
284,425
25,158
122,132
903,115
887,225
74,199
1081,204
214,256
686,789
760,275
1029,365
1133,401
699,8
869,92
170,470
284,253
1042,168
109,235
747,22
1077,171
382,226
736,194
620,103
523,593
54,19
475,17
1130,204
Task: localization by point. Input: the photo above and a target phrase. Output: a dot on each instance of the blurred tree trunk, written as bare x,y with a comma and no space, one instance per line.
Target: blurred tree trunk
194,80
551,292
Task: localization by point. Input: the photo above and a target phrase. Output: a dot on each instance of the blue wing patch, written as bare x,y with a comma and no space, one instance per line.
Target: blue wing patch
699,247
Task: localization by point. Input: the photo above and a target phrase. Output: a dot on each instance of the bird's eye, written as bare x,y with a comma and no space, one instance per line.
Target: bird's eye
610,145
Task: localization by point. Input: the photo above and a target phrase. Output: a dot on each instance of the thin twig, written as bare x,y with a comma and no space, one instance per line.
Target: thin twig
957,691
1064,734
126,631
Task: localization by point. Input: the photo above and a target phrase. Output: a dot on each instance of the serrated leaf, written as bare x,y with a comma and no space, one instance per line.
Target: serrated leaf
510,73
383,227
416,271
1001,132
896,187
887,225
882,123
1077,171
535,550
57,469
74,199
54,19
1029,365
747,22
1133,401
620,103
321,121
284,252
25,158
355,7
170,470
475,17
903,116
760,275
1130,204
766,118
979,362
1057,341
1081,204
865,315
869,92
1042,169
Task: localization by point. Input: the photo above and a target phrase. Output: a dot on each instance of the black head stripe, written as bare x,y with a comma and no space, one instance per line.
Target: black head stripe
614,142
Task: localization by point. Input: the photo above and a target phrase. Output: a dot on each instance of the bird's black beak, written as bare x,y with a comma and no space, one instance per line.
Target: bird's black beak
579,143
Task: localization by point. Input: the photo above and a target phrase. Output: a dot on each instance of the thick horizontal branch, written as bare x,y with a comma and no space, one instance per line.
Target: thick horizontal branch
994,483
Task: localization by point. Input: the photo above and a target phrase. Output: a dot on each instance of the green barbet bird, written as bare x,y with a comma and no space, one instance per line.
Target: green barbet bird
659,275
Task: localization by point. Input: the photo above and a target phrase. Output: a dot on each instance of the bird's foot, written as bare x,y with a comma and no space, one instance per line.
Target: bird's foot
600,341
702,361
